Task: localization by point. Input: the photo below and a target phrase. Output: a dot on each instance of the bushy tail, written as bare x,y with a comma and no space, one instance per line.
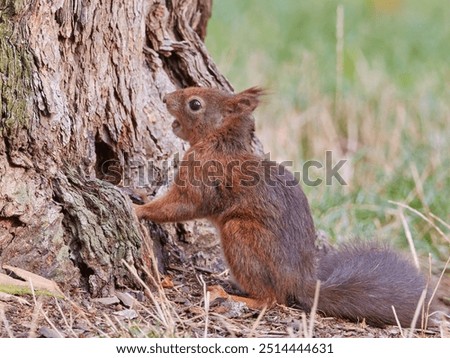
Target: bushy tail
362,282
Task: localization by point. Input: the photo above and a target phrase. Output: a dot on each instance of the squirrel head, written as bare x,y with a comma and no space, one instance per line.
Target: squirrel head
200,111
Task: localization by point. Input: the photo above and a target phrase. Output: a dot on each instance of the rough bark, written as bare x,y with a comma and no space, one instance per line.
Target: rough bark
81,117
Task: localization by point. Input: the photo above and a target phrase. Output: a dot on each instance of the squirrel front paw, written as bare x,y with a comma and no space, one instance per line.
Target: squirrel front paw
139,211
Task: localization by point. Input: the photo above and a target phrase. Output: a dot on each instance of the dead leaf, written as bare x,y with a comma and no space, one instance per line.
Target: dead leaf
128,313
196,310
167,282
50,333
107,301
126,298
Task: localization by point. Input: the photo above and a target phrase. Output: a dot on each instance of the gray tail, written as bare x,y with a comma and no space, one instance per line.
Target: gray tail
364,282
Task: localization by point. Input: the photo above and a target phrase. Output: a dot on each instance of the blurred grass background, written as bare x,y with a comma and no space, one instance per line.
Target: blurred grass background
372,85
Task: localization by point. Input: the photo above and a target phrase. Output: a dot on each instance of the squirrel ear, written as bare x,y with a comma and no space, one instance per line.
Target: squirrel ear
245,101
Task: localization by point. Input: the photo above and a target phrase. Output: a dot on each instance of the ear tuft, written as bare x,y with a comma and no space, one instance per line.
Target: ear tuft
246,101
255,91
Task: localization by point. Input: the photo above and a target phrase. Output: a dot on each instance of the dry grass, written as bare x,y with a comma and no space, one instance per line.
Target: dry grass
182,310
100,321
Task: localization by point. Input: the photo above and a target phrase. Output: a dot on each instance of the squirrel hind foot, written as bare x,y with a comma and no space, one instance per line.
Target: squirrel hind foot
217,292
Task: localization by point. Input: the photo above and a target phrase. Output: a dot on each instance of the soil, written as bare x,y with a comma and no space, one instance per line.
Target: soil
178,309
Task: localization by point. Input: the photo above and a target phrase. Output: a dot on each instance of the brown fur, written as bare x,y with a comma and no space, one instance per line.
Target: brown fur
266,229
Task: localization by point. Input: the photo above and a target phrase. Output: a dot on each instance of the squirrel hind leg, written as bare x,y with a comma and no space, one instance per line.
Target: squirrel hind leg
247,246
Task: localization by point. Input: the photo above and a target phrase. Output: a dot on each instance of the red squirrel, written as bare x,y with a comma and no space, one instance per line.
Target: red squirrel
264,220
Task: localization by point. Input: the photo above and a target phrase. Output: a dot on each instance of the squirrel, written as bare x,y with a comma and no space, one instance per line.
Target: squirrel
264,219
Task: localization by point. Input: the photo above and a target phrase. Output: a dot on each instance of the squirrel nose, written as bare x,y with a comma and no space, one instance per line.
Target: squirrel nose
164,99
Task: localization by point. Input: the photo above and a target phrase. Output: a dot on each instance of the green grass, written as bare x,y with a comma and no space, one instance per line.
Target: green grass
387,111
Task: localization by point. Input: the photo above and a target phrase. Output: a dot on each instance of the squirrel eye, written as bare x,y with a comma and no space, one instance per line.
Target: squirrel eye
195,105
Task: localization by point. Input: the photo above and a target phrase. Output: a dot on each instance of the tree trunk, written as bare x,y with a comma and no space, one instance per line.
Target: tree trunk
81,84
